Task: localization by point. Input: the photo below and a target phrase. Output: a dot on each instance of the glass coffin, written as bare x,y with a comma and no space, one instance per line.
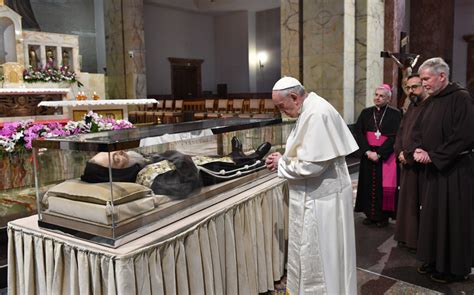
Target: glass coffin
113,187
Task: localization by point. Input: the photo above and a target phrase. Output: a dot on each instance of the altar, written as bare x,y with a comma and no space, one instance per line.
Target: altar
41,67
22,103
234,247
110,108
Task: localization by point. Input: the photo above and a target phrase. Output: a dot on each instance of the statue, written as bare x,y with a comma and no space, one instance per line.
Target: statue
33,58
49,58
66,58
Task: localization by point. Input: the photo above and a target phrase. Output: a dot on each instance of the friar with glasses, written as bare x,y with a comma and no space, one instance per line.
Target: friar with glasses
375,131
446,142
406,228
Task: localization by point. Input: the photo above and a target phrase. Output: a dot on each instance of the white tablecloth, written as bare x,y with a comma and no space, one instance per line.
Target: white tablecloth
234,247
100,102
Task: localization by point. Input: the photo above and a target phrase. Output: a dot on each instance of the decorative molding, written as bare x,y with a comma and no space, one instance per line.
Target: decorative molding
468,38
185,61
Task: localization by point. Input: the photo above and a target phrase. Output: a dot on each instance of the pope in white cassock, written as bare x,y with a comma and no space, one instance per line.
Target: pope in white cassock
321,242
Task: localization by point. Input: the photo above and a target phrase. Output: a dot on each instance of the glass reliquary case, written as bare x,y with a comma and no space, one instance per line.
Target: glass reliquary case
113,187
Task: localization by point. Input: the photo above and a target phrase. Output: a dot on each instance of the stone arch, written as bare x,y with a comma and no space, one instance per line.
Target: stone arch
7,41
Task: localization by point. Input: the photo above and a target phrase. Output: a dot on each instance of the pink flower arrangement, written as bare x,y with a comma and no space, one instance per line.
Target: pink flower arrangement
18,136
50,74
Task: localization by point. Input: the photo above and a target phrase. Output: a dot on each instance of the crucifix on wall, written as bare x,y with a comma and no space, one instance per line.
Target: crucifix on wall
406,63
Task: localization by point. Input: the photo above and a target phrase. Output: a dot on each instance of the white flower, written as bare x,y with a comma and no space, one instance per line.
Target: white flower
18,135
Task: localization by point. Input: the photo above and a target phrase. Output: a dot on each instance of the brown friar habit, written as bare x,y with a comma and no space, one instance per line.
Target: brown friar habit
369,188
406,229
446,232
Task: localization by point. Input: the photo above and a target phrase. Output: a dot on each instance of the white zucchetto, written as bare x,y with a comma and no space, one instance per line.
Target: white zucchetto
285,83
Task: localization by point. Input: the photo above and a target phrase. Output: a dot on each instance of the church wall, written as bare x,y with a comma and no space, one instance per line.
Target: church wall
100,35
177,33
431,28
463,25
232,53
70,17
252,50
268,39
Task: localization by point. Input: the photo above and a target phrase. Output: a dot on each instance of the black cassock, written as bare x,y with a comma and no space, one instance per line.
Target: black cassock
446,233
369,189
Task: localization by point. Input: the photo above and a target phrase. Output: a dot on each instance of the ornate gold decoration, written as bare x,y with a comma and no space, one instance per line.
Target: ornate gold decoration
13,72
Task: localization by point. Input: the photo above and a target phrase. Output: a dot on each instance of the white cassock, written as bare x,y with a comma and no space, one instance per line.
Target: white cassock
321,242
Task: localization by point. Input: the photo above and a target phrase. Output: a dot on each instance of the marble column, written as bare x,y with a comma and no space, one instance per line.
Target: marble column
290,36
125,48
325,61
369,41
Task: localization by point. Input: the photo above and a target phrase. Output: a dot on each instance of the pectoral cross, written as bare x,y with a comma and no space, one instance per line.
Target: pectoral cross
377,134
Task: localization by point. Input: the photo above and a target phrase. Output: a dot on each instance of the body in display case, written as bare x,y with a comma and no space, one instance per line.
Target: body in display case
113,187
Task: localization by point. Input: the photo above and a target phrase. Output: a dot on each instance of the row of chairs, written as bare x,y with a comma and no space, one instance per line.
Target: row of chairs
165,111
172,111
238,107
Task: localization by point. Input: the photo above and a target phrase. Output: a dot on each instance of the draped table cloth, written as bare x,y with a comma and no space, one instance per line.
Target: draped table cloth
234,247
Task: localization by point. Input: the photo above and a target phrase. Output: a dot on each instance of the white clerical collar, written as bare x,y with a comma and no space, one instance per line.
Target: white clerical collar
302,108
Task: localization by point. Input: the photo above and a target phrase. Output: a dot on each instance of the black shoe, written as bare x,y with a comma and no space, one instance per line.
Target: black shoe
242,159
446,278
261,151
382,223
236,146
426,268
411,250
237,152
368,221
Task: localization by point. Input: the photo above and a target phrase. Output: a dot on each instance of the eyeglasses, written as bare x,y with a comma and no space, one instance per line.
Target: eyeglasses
412,87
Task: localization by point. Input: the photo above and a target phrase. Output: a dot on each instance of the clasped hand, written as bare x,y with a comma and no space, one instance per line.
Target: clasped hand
372,156
401,158
421,156
272,161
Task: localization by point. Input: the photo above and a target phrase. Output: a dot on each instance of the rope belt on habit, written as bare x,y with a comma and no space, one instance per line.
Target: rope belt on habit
466,152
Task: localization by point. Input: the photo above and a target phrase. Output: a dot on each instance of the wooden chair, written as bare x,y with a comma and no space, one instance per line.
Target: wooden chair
222,107
253,109
237,106
209,108
268,110
158,111
175,115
